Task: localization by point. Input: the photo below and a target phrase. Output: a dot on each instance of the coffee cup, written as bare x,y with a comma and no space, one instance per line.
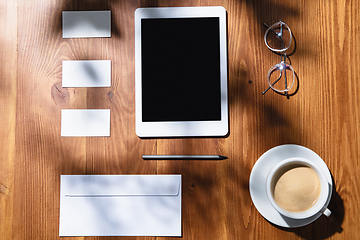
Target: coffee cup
298,188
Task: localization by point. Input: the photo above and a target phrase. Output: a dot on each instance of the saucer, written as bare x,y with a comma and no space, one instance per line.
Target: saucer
258,176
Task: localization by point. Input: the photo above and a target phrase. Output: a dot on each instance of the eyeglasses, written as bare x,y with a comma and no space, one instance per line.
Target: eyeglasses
281,76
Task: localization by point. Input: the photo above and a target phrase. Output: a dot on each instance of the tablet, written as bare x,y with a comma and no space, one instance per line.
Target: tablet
181,72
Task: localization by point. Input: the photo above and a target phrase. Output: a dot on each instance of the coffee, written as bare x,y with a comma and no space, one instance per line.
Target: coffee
297,189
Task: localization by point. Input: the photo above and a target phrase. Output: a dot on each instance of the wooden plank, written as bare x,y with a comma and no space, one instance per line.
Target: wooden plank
121,153
42,155
335,43
204,211
8,75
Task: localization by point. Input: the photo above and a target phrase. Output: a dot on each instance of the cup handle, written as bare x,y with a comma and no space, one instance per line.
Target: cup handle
326,212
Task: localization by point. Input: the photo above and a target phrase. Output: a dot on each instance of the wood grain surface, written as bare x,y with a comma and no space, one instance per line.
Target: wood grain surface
323,114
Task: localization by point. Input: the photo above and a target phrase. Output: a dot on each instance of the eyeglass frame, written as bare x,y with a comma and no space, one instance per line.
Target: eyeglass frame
283,64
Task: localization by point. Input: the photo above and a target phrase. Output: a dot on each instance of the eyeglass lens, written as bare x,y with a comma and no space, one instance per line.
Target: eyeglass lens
278,37
281,77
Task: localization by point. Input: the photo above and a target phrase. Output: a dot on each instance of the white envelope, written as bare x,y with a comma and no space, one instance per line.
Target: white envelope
120,205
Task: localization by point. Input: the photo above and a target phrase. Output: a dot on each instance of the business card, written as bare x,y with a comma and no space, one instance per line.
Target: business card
86,73
86,24
85,122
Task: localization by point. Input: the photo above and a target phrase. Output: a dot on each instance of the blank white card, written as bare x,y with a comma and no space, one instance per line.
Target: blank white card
85,122
86,24
86,73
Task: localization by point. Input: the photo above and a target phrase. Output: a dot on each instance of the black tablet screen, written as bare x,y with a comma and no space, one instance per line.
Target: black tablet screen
180,69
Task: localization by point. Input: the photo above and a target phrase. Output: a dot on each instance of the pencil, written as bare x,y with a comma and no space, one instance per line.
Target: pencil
183,157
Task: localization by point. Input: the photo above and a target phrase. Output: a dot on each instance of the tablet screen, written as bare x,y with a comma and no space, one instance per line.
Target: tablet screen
180,69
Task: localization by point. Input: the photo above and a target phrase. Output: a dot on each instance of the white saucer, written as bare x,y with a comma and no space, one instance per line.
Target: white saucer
260,171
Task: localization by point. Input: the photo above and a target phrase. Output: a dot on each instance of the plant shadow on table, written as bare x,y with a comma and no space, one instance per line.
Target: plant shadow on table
324,227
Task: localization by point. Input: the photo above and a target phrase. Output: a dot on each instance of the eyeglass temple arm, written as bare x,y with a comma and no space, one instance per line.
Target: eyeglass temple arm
272,84
283,58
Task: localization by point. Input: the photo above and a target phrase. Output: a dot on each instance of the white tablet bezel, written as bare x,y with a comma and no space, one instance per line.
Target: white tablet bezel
183,128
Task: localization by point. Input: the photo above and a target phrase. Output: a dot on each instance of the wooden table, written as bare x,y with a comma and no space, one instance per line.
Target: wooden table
323,115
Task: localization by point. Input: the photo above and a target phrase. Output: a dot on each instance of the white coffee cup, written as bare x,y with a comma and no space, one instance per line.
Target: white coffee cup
323,195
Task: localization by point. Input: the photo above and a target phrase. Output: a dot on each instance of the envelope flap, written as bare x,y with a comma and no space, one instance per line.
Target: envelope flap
119,185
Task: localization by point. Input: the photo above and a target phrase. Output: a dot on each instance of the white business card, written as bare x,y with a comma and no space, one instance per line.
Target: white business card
85,122
86,73
86,24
